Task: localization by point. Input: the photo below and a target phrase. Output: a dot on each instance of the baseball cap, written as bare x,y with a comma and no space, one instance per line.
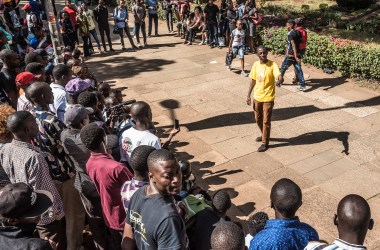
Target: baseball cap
27,6
24,78
75,114
77,86
19,200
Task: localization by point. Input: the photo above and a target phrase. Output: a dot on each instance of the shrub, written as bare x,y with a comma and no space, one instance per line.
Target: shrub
348,57
355,4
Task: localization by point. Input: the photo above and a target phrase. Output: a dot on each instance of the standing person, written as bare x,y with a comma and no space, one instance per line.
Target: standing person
237,46
89,14
263,75
62,75
353,220
251,15
108,176
67,30
31,17
21,209
292,54
153,221
232,18
120,15
285,232
101,17
152,6
84,32
211,16
12,19
8,90
139,14
24,162
303,43
72,11
167,7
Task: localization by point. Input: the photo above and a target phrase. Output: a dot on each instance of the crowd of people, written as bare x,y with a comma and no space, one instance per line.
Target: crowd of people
76,157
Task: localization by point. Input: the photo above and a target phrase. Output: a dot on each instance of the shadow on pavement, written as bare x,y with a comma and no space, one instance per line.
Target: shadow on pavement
325,83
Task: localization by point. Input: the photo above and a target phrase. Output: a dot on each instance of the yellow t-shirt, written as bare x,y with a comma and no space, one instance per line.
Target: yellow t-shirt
265,76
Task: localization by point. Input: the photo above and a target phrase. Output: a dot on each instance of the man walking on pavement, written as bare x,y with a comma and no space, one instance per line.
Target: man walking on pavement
264,74
101,17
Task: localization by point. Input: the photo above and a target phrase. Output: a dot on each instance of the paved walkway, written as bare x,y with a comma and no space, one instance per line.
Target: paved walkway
323,139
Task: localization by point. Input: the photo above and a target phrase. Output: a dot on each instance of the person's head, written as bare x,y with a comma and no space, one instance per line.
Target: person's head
24,79
62,74
93,137
164,172
286,198
89,100
101,101
186,169
84,6
23,125
40,94
68,3
256,222
38,70
105,89
121,3
77,53
21,205
27,8
117,93
5,112
33,57
139,160
10,59
64,15
110,101
76,116
299,21
262,53
221,202
43,54
353,219
239,24
101,3
74,87
290,24
198,10
210,2
141,112
227,235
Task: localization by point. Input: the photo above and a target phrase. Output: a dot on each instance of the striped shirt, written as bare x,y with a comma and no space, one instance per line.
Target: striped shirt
338,244
128,189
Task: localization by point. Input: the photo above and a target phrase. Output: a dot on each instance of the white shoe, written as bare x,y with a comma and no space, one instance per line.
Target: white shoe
229,67
201,43
243,73
300,88
139,45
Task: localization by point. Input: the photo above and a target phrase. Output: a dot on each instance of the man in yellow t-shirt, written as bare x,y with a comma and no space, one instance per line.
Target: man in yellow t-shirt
264,75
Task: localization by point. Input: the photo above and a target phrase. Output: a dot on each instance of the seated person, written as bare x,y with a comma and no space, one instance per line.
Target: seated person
117,94
256,223
353,220
21,208
227,235
286,231
105,89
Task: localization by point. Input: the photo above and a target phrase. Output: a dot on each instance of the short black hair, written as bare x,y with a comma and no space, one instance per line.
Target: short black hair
286,197
32,57
139,159
35,91
76,53
227,235
158,156
256,222
6,54
291,21
115,91
92,136
87,99
221,202
34,67
16,121
60,70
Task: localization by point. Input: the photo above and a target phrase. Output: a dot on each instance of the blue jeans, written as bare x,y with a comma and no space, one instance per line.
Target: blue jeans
95,35
297,66
212,33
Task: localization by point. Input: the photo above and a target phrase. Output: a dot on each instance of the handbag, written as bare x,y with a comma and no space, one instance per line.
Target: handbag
116,30
258,20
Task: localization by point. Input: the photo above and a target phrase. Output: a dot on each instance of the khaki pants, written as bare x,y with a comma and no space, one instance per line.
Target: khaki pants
74,213
263,116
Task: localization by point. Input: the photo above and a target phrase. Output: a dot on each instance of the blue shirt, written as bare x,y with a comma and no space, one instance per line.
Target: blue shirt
120,15
284,235
152,3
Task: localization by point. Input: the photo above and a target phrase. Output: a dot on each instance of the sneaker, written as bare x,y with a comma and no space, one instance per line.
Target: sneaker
189,43
202,43
145,44
112,50
258,139
123,48
301,88
219,47
134,47
262,148
229,67
243,73
149,36
139,45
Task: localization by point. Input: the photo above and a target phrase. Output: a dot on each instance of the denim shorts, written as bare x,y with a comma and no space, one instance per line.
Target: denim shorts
238,51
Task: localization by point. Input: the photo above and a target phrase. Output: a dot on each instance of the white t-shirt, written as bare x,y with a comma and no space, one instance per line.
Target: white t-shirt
248,239
338,244
239,37
132,138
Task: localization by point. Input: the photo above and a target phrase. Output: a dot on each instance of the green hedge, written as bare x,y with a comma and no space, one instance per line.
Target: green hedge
348,57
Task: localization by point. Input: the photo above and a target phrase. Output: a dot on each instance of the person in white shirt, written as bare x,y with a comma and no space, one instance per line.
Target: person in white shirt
353,219
236,46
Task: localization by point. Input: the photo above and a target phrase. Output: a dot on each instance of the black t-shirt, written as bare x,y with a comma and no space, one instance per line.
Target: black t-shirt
296,37
211,12
155,222
7,84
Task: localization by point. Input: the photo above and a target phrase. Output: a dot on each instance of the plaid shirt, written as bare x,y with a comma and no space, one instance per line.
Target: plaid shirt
128,189
23,162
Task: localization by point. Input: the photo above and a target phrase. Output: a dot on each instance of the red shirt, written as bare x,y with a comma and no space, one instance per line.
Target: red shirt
72,14
304,37
109,176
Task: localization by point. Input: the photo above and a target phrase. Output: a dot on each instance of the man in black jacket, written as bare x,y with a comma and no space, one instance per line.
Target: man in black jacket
21,208
101,17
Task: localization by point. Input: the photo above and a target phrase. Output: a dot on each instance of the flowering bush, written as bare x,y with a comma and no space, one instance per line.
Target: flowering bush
348,57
